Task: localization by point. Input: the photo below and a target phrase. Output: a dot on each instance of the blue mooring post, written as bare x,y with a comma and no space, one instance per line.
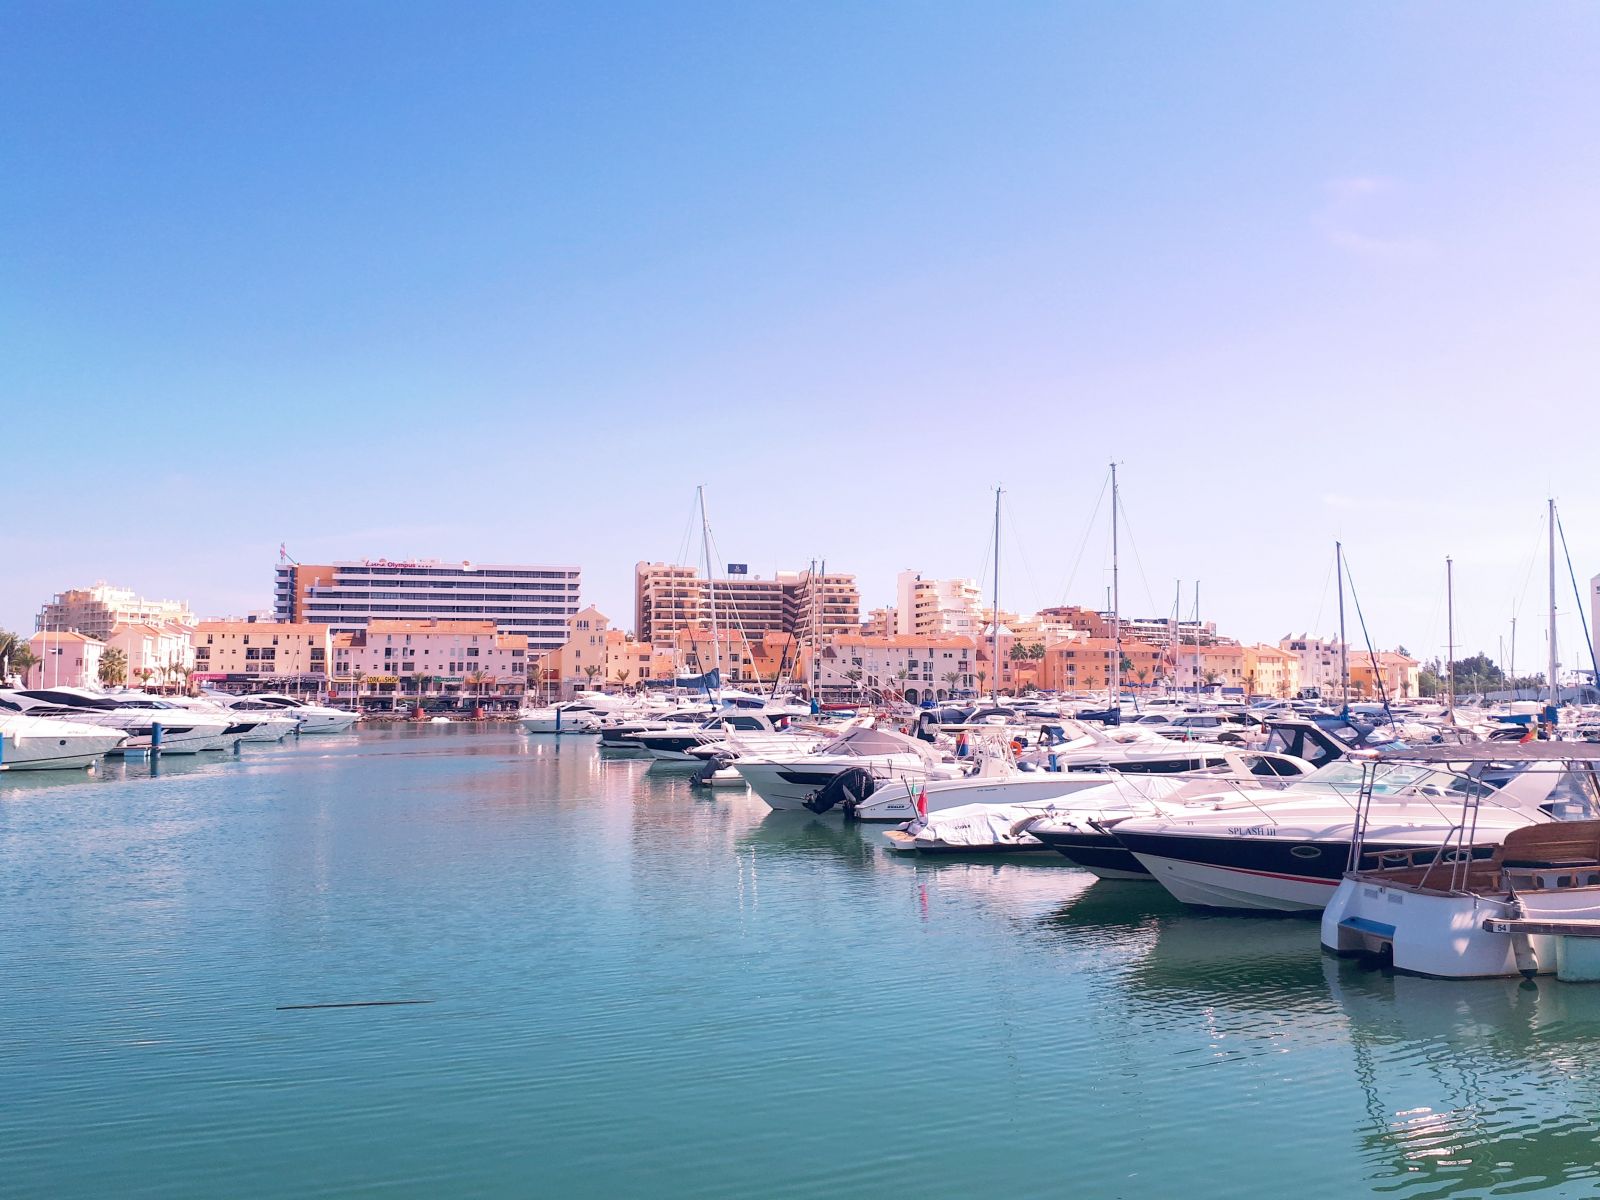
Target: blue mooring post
155,737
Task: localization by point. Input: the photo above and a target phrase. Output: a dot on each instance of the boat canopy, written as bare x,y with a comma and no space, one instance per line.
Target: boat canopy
872,742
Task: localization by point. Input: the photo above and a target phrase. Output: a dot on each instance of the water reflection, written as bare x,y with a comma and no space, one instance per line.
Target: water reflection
1472,1085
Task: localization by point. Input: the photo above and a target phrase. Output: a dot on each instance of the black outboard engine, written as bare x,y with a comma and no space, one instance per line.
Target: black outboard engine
703,776
847,789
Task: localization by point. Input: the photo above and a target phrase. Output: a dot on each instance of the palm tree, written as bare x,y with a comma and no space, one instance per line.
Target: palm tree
144,675
622,676
591,671
982,675
952,678
15,654
475,681
1140,675
900,677
114,667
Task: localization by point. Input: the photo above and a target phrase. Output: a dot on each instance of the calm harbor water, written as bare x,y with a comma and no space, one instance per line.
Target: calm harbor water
637,989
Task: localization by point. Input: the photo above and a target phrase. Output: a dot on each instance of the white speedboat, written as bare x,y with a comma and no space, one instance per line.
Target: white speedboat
559,718
1286,851
46,743
792,782
311,718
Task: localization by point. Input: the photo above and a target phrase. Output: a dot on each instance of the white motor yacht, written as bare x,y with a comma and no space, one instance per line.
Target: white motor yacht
310,718
792,782
1286,851
180,731
29,743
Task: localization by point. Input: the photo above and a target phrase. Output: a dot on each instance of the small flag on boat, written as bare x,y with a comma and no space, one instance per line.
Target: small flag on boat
922,801
1533,732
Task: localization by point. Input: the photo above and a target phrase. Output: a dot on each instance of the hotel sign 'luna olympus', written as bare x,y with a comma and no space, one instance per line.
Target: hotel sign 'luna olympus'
527,598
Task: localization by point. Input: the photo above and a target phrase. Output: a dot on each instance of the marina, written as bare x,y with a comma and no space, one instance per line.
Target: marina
632,984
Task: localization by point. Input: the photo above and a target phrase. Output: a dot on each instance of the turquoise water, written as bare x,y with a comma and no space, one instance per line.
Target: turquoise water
638,990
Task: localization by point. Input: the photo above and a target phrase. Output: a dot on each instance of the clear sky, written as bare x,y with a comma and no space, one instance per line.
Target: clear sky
505,281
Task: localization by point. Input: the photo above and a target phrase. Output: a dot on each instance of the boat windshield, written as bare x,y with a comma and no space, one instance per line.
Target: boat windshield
1394,778
872,742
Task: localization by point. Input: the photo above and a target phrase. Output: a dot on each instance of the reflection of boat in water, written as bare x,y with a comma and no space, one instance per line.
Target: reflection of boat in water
802,833
1472,1086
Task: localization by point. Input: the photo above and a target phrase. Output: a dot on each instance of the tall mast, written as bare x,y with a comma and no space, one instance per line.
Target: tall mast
1344,652
1555,688
711,586
1114,700
1175,643
994,624
1450,626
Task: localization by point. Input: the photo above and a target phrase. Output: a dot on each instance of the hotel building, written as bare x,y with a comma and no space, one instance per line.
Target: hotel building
533,600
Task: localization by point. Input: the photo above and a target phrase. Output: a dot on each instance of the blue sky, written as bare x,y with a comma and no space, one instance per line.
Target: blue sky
504,282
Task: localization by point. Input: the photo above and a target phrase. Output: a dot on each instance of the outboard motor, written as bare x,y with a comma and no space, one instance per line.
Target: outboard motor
847,789
704,776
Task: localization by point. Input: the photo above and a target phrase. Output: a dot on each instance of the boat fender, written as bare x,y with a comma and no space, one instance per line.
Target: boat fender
1521,944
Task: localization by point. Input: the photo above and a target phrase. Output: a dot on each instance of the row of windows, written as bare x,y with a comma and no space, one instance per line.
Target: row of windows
350,572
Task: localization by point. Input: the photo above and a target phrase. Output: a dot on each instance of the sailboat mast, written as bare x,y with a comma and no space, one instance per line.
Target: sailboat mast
994,625
1344,651
711,585
1555,687
1114,699
1450,627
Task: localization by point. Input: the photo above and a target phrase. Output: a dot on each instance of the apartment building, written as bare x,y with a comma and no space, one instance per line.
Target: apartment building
154,654
937,607
917,668
465,658
1084,664
534,600
258,652
809,605
64,658
1320,661
97,611
1270,671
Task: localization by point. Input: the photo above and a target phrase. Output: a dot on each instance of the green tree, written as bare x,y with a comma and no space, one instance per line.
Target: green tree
591,671
114,667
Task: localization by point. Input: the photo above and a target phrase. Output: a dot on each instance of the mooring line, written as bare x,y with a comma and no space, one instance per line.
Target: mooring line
351,1004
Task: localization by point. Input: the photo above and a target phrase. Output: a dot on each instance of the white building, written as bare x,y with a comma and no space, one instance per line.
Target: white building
533,600
937,607
914,667
463,658
98,610
155,654
1320,662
